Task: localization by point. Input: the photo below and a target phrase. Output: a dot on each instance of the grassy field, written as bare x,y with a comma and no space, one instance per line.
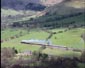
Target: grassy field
71,38
12,32
28,14
5,12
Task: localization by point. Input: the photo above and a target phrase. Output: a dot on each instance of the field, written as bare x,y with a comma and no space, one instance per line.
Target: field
71,38
25,15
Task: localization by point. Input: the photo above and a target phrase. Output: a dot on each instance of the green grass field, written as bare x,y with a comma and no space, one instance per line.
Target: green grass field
11,32
71,38
28,14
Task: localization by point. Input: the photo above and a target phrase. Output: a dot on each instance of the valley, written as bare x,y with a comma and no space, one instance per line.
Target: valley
42,34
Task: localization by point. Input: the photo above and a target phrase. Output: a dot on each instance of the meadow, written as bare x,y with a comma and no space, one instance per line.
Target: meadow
71,38
25,15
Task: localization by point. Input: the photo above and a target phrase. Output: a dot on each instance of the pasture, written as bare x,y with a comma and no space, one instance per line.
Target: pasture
70,38
25,15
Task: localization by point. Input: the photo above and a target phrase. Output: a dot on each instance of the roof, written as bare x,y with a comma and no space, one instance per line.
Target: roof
37,41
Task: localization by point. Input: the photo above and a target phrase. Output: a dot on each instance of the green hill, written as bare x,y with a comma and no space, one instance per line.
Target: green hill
60,15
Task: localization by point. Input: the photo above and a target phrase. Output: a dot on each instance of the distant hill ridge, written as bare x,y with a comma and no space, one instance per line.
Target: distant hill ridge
22,4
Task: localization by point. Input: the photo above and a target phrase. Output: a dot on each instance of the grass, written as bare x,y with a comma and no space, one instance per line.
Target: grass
11,32
29,14
16,42
70,38
77,4
21,19
59,52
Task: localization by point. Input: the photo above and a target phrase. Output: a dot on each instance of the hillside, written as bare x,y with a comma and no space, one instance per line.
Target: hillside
13,10
51,2
55,15
61,15
20,4
38,4
76,4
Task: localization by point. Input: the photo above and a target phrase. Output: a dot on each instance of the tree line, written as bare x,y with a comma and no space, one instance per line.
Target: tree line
53,21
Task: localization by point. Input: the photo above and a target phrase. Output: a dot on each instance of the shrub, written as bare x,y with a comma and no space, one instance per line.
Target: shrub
7,52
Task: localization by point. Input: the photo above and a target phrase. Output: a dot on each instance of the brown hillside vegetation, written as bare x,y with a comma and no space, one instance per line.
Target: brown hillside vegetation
51,2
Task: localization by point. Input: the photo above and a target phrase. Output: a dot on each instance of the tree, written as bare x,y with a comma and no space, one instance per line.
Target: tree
15,50
82,58
31,19
16,66
42,48
69,63
83,37
44,57
38,56
8,52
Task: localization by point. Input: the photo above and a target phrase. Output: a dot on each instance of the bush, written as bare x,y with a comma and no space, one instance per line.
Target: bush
7,52
60,32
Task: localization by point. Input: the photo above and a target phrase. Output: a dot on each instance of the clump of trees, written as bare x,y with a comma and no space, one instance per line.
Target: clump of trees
39,60
7,55
83,36
82,58
8,52
53,21
38,56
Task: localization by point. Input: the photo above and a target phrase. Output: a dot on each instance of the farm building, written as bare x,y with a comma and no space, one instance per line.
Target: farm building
35,41
25,53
